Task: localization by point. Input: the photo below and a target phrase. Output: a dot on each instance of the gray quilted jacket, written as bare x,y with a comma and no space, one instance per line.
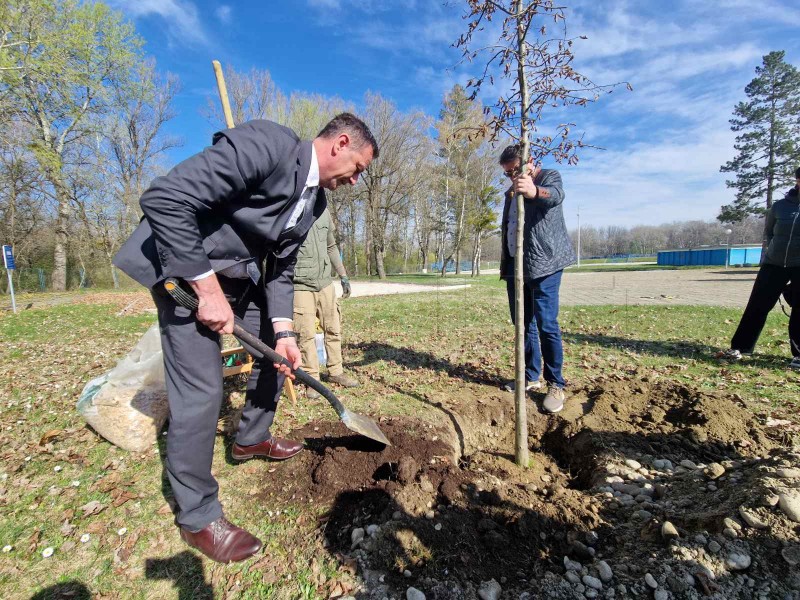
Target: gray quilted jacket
782,232
546,247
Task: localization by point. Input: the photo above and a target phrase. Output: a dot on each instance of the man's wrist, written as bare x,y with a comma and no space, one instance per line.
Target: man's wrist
286,334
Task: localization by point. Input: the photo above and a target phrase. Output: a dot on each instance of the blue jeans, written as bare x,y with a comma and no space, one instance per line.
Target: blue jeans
542,332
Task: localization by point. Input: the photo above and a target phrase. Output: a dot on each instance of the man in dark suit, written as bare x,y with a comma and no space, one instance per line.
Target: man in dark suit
229,222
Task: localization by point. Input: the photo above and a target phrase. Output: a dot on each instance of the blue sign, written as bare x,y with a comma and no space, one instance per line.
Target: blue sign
8,258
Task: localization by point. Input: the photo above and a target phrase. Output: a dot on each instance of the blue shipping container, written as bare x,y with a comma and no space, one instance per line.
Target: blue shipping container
743,256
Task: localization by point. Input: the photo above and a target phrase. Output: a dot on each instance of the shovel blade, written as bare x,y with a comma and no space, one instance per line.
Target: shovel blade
364,426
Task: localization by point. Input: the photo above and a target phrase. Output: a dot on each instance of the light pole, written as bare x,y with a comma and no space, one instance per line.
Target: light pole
728,249
579,235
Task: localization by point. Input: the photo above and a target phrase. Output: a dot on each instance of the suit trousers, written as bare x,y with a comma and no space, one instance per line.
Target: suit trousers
193,370
308,306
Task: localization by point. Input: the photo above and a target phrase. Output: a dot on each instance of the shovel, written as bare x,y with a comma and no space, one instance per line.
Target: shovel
353,421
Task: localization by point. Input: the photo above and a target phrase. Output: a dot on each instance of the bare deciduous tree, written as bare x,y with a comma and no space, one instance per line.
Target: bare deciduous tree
539,64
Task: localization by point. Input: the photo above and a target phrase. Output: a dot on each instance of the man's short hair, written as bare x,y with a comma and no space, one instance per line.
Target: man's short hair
353,126
510,154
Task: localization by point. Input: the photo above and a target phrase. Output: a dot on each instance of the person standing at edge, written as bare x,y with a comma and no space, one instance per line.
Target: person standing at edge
779,266
229,222
547,250
315,297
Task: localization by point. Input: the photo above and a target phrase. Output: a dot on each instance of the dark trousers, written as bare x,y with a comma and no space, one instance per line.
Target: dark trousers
542,332
193,370
770,282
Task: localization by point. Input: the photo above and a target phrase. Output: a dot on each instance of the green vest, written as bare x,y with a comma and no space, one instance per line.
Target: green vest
313,269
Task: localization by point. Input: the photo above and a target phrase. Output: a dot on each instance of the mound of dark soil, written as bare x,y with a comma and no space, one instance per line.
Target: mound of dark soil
632,479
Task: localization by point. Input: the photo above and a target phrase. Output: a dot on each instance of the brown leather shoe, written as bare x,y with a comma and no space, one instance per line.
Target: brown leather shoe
275,448
222,541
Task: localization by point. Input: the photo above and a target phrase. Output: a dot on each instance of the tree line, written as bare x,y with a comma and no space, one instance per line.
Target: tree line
647,240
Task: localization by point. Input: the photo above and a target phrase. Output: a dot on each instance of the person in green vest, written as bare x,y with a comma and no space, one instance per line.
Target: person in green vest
315,298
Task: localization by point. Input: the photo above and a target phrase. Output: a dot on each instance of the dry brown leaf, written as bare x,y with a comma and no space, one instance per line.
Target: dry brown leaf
33,541
166,509
50,436
97,527
92,508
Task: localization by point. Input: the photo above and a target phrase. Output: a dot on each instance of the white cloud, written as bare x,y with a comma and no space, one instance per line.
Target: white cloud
651,182
181,17
224,13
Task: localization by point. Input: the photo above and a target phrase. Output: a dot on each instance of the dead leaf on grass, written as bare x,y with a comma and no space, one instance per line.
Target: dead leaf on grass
96,527
92,508
33,541
50,436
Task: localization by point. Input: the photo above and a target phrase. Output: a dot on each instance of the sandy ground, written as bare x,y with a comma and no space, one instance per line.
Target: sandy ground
709,287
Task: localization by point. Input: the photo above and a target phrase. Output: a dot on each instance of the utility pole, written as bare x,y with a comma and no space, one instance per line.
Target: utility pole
579,235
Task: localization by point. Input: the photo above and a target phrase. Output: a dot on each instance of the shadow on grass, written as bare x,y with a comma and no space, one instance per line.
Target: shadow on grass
186,571
72,590
413,359
673,349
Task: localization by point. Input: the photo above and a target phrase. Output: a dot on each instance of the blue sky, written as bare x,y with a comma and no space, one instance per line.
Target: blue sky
663,143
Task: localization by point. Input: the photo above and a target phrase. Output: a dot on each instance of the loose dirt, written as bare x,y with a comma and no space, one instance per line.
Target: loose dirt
633,479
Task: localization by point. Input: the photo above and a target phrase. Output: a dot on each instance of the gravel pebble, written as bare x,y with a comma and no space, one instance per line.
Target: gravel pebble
738,561
413,593
791,554
356,536
661,595
669,531
650,581
714,471
714,546
789,502
489,590
633,464
605,572
751,518
592,582
572,577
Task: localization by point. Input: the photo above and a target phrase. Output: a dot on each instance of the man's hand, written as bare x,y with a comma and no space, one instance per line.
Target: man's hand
346,289
214,311
287,348
523,183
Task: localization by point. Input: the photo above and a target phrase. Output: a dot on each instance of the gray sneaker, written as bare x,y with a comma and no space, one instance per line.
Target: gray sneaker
554,400
510,386
795,364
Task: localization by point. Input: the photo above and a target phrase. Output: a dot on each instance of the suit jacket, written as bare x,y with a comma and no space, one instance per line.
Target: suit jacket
228,204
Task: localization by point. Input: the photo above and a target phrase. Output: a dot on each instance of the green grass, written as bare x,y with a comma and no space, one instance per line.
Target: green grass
402,348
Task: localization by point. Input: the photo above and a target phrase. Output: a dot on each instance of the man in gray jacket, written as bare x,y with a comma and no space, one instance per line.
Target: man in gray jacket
547,250
229,221
315,298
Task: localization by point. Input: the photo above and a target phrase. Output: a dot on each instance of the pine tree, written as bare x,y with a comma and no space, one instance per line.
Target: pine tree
768,124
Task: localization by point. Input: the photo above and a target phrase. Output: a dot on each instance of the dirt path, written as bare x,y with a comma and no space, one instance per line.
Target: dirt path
708,287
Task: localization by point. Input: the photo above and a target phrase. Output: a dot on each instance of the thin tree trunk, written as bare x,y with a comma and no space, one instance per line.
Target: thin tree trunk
521,456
